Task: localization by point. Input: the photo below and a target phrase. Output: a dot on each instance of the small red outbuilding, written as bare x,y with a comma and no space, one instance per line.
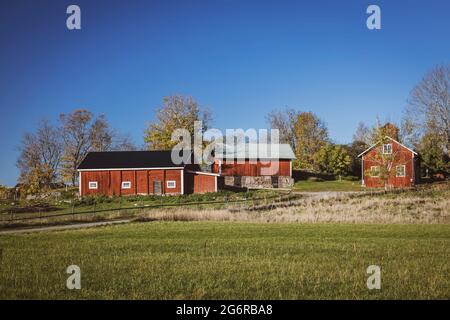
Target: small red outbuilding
399,163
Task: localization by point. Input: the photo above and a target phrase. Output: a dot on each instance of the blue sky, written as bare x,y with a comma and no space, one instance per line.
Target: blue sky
240,58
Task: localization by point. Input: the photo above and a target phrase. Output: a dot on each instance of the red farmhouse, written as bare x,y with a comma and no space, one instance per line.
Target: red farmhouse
403,163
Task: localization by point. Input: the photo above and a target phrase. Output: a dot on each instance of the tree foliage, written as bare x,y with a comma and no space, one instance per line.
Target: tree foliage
311,134
176,112
333,159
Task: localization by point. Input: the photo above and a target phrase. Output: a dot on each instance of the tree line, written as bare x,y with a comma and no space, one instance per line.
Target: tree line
52,153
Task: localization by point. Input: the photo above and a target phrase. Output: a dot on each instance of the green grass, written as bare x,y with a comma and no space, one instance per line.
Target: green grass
105,203
215,260
333,185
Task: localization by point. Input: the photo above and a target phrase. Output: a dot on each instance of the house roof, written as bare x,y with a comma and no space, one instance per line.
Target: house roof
374,145
128,160
266,151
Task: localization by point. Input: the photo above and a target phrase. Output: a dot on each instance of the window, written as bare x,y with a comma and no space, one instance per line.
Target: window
400,171
93,185
387,148
126,184
374,171
171,184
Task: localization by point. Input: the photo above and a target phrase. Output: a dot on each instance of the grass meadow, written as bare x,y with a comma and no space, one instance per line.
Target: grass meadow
229,260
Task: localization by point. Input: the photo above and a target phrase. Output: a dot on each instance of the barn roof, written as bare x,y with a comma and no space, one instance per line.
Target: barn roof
374,145
266,151
128,160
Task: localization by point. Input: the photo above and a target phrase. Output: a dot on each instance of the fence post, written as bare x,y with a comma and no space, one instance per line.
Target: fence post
73,214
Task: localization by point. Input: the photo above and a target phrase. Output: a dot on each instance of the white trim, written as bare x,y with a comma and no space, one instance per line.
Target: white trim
204,173
79,183
362,171
389,145
404,171
371,170
359,155
171,181
122,185
92,188
131,169
182,181
215,184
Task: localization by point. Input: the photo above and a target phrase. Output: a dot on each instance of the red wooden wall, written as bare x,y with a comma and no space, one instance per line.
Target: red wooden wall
109,182
403,156
254,168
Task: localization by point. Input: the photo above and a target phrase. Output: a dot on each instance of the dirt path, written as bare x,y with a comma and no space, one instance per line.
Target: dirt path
63,227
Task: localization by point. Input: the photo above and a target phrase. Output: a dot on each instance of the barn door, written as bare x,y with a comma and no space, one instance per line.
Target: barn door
157,187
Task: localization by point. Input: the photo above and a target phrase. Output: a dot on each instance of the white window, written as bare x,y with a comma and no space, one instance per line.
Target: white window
126,184
387,148
171,184
400,171
93,185
374,171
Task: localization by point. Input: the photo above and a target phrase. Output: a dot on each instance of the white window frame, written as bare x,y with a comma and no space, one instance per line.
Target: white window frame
377,169
92,185
168,182
404,171
124,183
389,145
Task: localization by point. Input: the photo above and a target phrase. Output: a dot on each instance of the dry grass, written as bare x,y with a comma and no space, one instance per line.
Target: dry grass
422,206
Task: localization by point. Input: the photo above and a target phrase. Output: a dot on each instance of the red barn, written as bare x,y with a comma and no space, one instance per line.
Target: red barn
139,173
397,161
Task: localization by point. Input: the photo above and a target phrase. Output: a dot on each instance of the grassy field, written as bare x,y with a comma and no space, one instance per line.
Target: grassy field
111,205
332,185
217,260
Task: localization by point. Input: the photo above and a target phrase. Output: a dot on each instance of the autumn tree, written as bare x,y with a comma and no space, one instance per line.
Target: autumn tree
176,112
333,159
311,135
81,133
284,121
40,157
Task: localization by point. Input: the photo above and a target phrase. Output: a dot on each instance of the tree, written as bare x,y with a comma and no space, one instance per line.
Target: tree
123,142
284,121
333,159
311,134
40,157
177,112
81,133
363,134
432,155
428,109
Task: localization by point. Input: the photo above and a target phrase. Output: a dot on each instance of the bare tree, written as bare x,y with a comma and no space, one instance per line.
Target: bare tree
82,133
40,157
428,109
363,134
284,121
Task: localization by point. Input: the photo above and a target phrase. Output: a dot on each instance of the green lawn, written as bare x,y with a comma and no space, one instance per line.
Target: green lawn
333,185
216,260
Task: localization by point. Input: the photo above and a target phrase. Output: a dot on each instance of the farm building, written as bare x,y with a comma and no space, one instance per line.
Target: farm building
392,159
255,165
139,172
153,172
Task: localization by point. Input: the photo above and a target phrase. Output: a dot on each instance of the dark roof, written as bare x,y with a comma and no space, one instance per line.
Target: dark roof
127,160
